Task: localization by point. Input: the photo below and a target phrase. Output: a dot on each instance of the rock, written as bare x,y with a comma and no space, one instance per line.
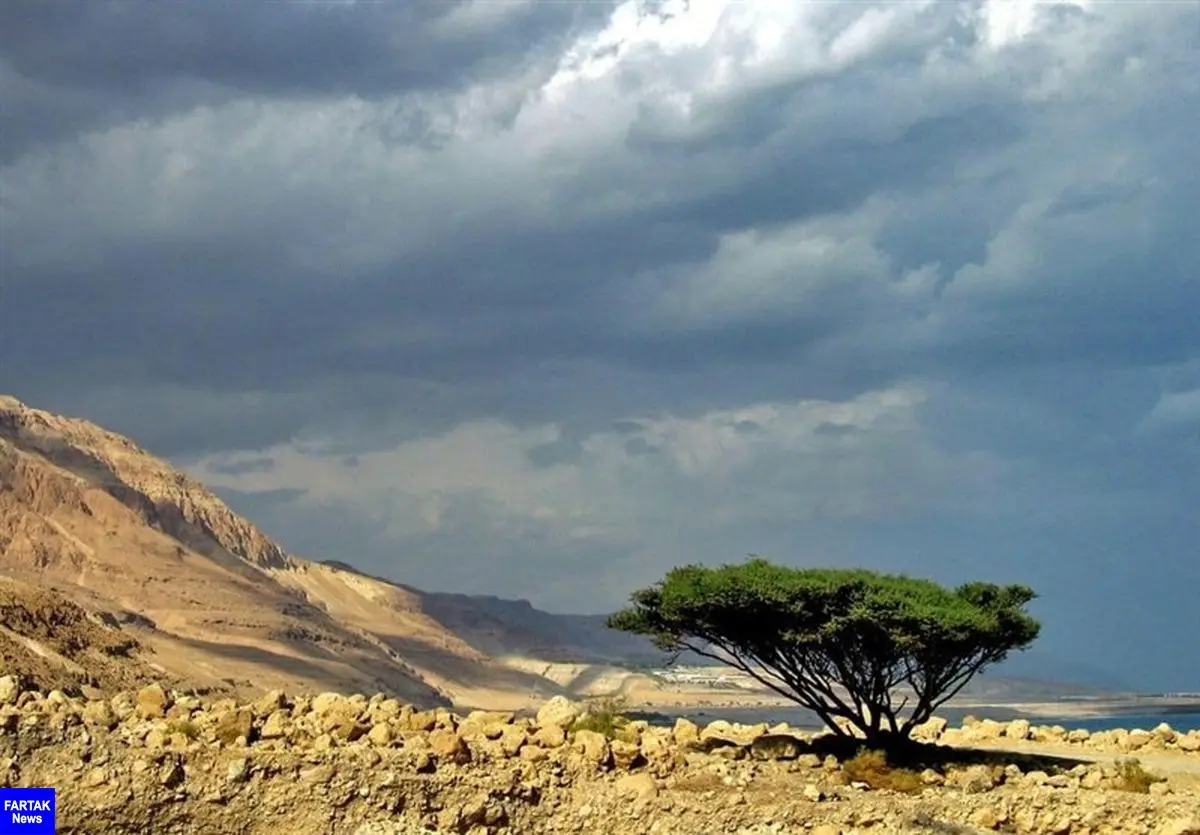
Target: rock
512,740
550,736
275,726
812,761
155,739
974,779
987,818
380,734
929,777
99,714
593,746
533,754
10,719
10,690
448,746
341,718
1190,742
152,702
268,703
640,786
657,744
324,703
724,749
172,774
722,731
1180,826
685,732
238,771
1165,732
1037,778
930,730
558,712
421,720
487,723
1018,729
626,755
1138,739
812,793
234,727
987,729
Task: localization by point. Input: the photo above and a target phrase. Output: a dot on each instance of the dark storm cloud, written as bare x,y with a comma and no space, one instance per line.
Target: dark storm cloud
76,63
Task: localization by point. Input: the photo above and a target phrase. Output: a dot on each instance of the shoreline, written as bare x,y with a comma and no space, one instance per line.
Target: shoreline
1037,712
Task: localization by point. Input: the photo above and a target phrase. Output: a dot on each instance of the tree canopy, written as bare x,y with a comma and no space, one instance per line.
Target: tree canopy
880,651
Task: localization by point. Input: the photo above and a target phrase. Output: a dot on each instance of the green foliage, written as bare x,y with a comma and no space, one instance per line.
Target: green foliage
1132,777
841,642
604,716
872,768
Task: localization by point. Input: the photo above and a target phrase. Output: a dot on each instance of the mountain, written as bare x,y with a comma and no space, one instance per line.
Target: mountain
94,520
1034,665
502,628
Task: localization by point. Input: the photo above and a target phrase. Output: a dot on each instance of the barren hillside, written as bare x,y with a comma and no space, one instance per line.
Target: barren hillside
89,515
48,641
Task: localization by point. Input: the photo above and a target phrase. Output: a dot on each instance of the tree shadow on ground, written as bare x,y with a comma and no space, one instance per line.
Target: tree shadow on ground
920,755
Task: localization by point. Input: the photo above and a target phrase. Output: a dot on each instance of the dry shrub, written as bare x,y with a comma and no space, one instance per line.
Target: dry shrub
702,782
871,767
183,726
1132,777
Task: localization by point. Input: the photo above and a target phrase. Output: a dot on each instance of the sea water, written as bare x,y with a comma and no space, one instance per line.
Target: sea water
800,718
1182,722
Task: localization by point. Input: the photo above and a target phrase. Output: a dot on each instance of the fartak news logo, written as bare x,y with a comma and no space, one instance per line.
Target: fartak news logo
26,811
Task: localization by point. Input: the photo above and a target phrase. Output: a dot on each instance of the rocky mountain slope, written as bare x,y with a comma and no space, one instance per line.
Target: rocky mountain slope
48,641
87,515
500,627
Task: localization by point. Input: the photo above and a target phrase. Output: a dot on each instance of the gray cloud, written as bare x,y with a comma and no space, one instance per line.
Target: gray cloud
74,64
547,297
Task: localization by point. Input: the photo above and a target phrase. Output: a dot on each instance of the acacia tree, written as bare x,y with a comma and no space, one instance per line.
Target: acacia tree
880,651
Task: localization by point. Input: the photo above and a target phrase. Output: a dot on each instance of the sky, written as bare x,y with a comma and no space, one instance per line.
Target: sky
540,299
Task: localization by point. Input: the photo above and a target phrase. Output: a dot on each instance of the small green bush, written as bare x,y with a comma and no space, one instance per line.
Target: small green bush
605,716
